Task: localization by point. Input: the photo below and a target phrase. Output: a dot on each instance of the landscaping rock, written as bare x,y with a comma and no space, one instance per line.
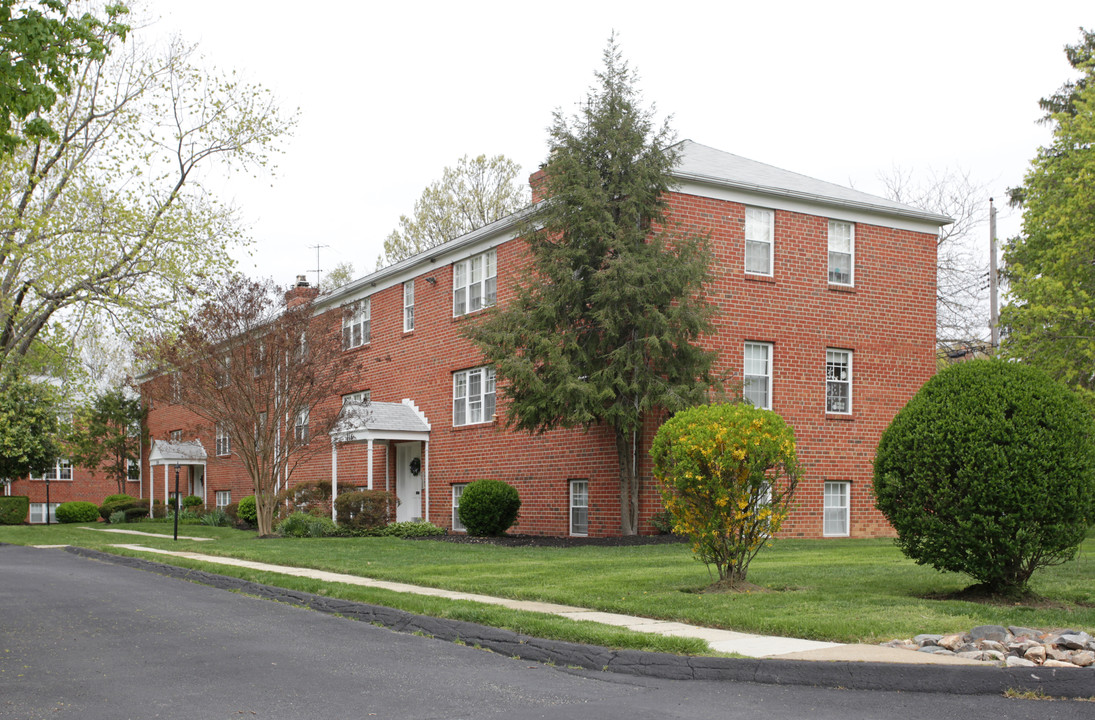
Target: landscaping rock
1014,661
996,633
1084,658
926,639
1036,653
993,645
1020,631
1058,664
1015,646
951,642
1074,641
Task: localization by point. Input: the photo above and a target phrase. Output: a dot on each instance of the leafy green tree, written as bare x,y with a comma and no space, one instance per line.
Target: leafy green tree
728,474
1050,316
338,276
475,193
604,328
989,471
41,44
28,427
106,435
108,219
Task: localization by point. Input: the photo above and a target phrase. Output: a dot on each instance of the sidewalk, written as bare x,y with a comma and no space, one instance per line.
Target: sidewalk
726,641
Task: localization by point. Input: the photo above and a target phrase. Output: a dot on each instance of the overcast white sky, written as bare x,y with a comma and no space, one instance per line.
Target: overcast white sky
391,93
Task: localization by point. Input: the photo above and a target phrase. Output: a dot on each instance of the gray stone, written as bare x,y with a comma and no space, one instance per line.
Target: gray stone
1036,653
927,639
1013,661
1020,631
1083,658
935,650
992,655
1058,664
1075,641
952,642
999,633
992,645
971,655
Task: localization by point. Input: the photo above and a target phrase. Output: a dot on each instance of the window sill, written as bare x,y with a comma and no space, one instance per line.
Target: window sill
473,426
52,480
842,288
843,417
770,279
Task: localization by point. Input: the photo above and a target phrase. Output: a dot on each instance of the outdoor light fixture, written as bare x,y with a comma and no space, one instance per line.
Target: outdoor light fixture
431,280
176,501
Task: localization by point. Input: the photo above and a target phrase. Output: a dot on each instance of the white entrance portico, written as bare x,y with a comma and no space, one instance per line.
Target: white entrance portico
387,423
169,454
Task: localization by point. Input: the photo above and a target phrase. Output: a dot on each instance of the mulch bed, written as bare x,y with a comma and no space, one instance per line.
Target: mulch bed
557,542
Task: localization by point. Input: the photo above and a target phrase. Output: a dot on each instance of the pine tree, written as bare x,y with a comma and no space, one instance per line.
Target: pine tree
604,329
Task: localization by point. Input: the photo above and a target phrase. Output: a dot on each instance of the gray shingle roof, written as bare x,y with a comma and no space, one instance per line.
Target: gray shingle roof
165,452
380,417
704,164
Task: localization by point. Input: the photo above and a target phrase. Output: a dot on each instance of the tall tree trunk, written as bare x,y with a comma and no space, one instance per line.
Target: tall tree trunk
629,483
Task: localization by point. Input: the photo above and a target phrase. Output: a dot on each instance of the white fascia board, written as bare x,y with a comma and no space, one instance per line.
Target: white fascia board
777,199
364,435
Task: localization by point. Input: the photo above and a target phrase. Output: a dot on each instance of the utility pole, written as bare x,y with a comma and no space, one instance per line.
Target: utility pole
317,270
994,312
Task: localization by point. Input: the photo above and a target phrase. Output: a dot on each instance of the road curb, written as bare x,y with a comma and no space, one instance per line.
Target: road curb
959,680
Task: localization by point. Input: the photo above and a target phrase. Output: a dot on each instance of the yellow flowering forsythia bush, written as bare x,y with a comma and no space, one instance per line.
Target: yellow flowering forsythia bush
728,474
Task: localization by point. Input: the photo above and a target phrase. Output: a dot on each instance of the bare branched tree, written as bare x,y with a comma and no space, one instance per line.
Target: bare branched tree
962,278
258,366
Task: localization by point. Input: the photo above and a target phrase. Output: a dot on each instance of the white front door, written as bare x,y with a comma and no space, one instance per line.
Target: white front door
408,484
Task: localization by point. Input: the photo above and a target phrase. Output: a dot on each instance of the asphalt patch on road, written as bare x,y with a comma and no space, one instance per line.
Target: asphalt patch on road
959,680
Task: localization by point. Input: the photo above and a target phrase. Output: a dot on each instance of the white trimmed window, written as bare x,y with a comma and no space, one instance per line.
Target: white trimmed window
579,507
457,491
175,436
838,381
61,470
223,441
355,323
759,241
408,306
841,252
223,498
133,471
358,398
176,388
300,427
473,396
757,375
474,283
836,507
38,513
223,372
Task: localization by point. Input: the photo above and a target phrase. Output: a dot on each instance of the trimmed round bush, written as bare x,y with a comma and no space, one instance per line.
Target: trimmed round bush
489,507
77,512
989,471
119,503
247,510
303,525
191,501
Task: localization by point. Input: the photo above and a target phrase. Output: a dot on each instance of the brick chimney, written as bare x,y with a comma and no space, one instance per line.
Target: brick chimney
536,183
300,293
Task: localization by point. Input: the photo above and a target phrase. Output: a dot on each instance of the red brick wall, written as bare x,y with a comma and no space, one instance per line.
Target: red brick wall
887,320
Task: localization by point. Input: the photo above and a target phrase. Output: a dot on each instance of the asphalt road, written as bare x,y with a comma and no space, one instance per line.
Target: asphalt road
86,639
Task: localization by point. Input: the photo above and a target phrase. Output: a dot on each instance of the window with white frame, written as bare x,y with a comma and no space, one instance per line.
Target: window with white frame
836,506
408,306
759,241
133,470
223,441
356,398
474,283
300,427
176,387
38,513
222,371
579,507
473,396
457,491
355,323
60,470
175,436
223,498
259,365
841,252
757,375
838,381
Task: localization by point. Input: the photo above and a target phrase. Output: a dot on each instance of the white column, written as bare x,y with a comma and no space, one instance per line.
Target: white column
165,481
370,474
334,479
426,474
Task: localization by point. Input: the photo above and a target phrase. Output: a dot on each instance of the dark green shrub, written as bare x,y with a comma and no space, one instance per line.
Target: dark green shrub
14,510
303,525
159,510
117,517
989,471
413,529
119,503
191,501
247,510
136,514
77,512
365,508
490,508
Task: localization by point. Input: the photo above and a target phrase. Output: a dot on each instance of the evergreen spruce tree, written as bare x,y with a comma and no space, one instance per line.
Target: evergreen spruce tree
603,329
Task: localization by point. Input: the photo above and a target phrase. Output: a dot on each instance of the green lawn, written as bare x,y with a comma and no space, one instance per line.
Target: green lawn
841,590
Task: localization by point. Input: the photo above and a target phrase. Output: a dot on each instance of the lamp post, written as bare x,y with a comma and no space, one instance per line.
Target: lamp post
176,502
47,501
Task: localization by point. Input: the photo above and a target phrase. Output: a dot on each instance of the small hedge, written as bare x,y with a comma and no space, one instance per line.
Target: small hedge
364,509
77,512
489,507
409,529
14,509
136,514
120,503
303,525
191,501
247,510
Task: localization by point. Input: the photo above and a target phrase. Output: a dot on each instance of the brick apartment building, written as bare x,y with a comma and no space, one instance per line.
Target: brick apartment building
67,483
826,312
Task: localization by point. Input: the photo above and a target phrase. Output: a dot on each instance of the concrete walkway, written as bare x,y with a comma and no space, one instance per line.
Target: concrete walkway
145,534
727,641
